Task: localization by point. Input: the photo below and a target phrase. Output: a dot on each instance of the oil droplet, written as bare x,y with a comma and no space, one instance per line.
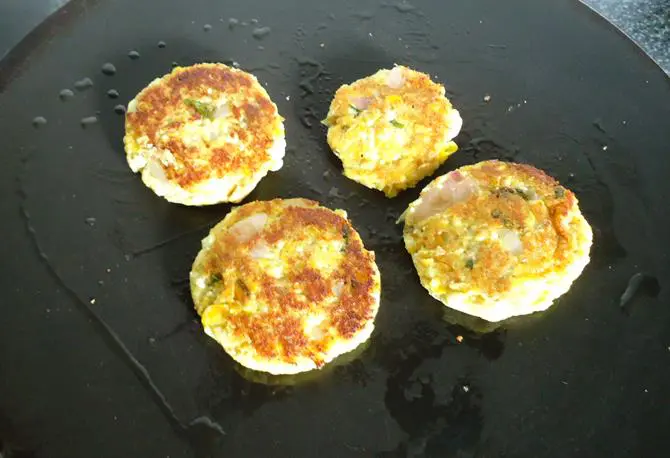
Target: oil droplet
175,64
334,192
404,7
113,94
207,27
120,109
162,44
260,32
90,221
39,121
83,84
65,94
639,283
134,55
232,23
308,117
307,87
108,69
363,15
88,121
598,124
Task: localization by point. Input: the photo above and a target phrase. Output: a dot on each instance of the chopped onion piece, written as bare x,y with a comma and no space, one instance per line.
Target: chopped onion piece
222,110
511,241
214,134
395,78
338,288
360,103
261,251
454,189
155,169
248,227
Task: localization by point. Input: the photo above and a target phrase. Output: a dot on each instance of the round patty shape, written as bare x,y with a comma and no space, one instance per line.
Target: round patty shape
204,134
392,129
497,239
285,286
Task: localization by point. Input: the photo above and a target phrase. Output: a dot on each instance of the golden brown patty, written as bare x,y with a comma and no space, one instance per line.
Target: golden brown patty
285,285
204,134
392,129
497,239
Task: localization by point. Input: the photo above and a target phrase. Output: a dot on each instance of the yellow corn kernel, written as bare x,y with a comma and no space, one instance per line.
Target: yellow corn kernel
394,99
214,315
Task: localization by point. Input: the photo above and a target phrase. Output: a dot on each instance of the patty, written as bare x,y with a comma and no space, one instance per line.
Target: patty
204,134
285,286
497,239
392,129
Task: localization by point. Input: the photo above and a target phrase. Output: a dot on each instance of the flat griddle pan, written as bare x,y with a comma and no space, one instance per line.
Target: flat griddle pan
101,354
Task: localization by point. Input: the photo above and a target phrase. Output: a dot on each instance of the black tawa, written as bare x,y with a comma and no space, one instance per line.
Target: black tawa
101,354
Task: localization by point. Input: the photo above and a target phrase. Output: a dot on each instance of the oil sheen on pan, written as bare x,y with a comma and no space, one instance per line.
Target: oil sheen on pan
97,319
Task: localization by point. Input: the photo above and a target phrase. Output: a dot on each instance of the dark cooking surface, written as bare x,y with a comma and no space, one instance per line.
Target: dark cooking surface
647,22
101,354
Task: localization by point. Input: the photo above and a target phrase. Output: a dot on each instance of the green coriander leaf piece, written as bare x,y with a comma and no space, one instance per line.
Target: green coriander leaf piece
206,110
214,279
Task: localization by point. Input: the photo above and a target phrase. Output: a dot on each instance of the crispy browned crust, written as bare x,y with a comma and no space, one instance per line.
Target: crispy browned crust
278,333
161,106
550,226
